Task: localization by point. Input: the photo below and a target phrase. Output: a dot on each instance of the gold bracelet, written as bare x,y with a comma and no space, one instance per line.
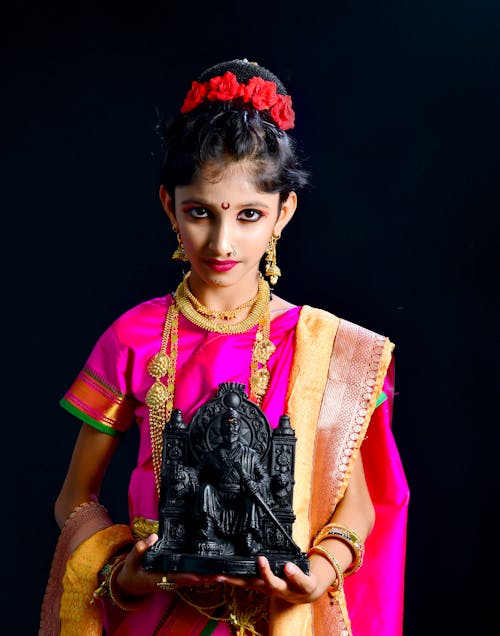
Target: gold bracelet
126,607
338,584
107,577
350,538
102,590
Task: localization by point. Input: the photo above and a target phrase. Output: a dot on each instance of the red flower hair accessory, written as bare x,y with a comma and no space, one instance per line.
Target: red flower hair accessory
258,92
225,87
196,95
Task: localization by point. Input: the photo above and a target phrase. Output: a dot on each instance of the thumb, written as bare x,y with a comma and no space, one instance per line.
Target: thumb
297,579
141,546
146,543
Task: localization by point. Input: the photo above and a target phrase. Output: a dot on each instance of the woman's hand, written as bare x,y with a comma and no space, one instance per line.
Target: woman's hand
133,581
296,588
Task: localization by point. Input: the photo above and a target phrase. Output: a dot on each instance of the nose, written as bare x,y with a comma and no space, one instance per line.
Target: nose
220,241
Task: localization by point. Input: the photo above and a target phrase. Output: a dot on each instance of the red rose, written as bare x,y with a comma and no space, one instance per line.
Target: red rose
196,95
282,112
224,87
261,93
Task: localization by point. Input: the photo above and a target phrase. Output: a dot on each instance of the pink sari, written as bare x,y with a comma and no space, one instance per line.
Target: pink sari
375,594
110,391
109,394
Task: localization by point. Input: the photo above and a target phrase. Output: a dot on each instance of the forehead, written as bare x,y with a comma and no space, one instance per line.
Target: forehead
234,181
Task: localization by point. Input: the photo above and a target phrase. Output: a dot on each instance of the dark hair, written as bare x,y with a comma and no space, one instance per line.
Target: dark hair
221,132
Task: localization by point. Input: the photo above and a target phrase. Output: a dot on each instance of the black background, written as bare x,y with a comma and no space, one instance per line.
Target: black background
398,119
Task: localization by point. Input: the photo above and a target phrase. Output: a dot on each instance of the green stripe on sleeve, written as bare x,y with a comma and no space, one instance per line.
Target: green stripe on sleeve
87,419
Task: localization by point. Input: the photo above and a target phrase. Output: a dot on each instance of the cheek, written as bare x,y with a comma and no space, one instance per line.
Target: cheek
191,236
256,234
257,245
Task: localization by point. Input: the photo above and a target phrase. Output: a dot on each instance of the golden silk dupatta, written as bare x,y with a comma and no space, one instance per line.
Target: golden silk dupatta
337,376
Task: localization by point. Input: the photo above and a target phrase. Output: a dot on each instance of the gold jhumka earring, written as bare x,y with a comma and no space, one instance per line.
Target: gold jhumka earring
273,272
179,254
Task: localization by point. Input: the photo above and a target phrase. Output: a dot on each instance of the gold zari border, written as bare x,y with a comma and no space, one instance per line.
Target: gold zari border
143,527
338,373
100,402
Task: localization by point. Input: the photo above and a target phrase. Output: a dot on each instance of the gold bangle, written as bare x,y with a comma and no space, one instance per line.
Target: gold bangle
338,584
107,579
350,538
103,577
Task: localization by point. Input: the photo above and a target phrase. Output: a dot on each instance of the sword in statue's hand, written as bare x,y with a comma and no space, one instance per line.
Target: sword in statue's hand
262,503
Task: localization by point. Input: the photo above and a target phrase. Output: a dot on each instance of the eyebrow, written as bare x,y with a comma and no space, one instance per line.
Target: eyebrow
251,204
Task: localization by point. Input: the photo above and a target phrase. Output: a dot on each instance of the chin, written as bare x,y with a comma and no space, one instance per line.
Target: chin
218,280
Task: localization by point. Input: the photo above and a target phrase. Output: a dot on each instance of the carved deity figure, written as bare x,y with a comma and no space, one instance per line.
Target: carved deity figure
232,482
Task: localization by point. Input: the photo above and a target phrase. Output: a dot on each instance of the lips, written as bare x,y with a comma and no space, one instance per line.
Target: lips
218,265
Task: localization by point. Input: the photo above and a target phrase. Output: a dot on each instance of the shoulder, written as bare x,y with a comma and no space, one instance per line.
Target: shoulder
321,315
143,320
317,317
143,310
279,306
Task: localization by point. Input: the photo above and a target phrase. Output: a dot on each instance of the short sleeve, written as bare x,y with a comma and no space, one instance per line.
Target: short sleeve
99,396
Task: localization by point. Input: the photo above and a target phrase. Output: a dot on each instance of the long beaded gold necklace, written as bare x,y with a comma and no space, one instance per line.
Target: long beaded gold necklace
160,397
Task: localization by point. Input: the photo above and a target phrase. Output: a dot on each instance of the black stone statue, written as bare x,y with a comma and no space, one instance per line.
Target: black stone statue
226,491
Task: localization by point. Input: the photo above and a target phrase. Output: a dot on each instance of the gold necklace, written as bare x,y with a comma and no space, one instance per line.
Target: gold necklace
160,396
260,303
262,350
213,314
243,608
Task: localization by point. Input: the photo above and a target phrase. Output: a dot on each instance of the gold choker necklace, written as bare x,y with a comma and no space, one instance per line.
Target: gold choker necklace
213,314
160,397
190,309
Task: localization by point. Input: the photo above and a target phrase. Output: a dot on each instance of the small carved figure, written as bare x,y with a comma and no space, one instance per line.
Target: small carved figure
184,483
231,479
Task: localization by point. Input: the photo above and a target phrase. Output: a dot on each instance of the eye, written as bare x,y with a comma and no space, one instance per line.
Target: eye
197,213
249,215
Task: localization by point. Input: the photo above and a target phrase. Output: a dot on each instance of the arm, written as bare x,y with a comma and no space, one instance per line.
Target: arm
355,510
81,519
91,456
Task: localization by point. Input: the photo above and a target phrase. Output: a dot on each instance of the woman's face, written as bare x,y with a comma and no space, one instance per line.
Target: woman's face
225,225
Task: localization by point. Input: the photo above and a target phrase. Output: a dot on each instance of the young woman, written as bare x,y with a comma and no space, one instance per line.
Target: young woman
229,188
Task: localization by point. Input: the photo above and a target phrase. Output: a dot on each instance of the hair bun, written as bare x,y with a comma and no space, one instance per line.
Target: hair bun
244,71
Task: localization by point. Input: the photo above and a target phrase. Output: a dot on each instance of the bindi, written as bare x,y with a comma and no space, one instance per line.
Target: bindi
225,205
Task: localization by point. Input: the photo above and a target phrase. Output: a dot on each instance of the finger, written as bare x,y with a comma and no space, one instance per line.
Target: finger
132,577
233,580
270,579
146,543
140,548
189,579
253,583
297,579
